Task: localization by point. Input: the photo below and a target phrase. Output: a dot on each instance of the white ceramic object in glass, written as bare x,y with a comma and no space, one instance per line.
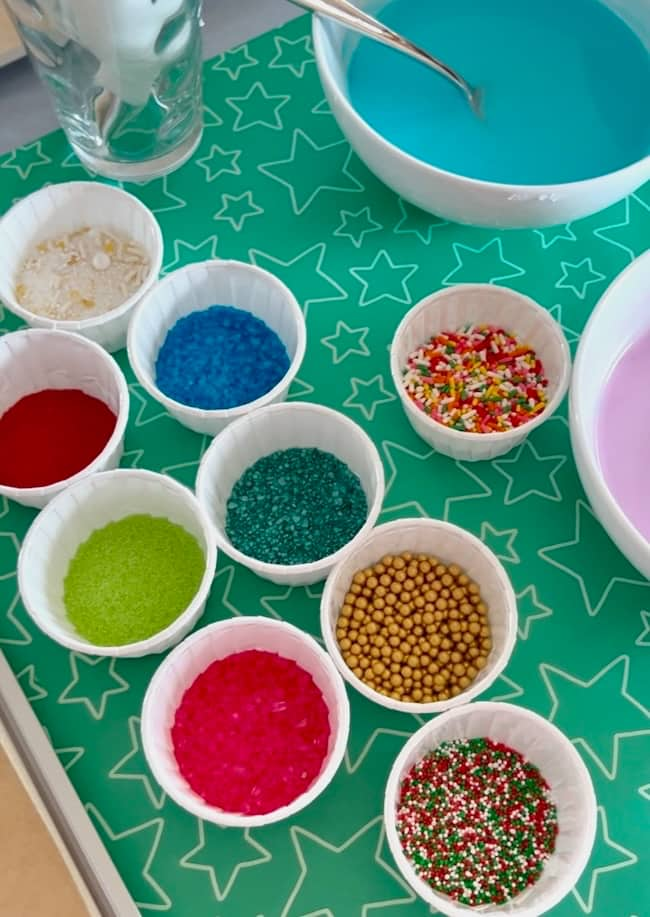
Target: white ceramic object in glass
65,208
455,197
194,288
35,359
183,666
560,764
619,319
70,519
452,545
452,308
287,426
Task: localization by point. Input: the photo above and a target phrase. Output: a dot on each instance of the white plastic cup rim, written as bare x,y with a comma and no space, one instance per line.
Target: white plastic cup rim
97,321
189,800
515,434
270,570
158,641
495,665
146,380
580,855
46,492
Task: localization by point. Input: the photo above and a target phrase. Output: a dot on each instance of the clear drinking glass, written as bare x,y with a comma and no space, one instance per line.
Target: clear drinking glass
125,78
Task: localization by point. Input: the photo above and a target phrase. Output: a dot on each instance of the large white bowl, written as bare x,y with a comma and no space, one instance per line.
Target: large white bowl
618,320
454,197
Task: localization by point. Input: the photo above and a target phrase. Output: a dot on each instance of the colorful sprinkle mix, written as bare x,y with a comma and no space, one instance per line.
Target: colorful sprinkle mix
251,733
476,821
480,379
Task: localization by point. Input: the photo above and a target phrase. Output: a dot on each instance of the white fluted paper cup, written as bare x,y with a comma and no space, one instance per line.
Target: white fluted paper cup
70,519
32,360
572,792
452,545
194,288
181,668
64,208
287,426
480,304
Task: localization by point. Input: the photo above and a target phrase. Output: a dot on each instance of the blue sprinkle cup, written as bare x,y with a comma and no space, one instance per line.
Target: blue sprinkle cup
220,357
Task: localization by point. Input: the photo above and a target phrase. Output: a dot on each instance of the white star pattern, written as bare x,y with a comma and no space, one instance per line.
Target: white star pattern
222,893
356,398
630,858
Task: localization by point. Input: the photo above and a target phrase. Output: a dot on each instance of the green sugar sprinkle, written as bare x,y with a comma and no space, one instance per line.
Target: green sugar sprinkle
131,579
295,506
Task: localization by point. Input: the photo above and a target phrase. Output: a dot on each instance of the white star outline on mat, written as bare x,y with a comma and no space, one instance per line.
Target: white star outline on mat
359,348
32,690
555,234
557,460
206,250
630,859
175,202
353,766
300,389
388,446
565,283
11,162
172,470
633,199
514,690
644,792
157,798
159,823
282,44
347,216
497,244
138,393
506,552
402,230
383,259
353,400
300,137
296,833
237,223
257,89
644,637
211,118
228,573
544,611
76,753
570,334
592,610
546,670
13,538
97,713
320,249
232,158
221,61
24,637
221,894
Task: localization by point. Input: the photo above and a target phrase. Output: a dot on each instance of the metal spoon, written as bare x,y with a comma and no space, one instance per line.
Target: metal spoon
353,18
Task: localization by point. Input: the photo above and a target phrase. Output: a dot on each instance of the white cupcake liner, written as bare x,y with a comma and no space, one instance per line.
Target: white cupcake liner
181,668
194,288
452,545
572,791
35,359
70,519
287,426
64,208
481,304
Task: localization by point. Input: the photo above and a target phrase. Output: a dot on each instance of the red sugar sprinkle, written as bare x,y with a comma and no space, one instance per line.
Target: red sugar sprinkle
251,733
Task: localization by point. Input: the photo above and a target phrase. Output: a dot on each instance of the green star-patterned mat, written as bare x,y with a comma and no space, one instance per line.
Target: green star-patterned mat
274,183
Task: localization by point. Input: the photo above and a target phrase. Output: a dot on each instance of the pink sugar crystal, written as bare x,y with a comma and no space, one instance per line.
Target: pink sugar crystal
251,733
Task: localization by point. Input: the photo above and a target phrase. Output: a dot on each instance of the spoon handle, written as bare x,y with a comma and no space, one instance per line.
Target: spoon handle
359,21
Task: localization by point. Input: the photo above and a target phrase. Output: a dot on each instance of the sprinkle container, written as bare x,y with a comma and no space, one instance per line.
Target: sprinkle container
57,210
197,287
286,426
55,535
560,765
32,360
450,544
190,659
455,307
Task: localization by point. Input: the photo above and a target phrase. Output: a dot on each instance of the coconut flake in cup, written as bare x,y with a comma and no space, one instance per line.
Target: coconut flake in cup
273,429
81,511
36,360
94,226
450,545
571,792
195,288
478,304
189,660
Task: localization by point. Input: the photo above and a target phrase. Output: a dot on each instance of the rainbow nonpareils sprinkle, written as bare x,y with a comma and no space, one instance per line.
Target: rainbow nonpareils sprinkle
476,821
480,379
